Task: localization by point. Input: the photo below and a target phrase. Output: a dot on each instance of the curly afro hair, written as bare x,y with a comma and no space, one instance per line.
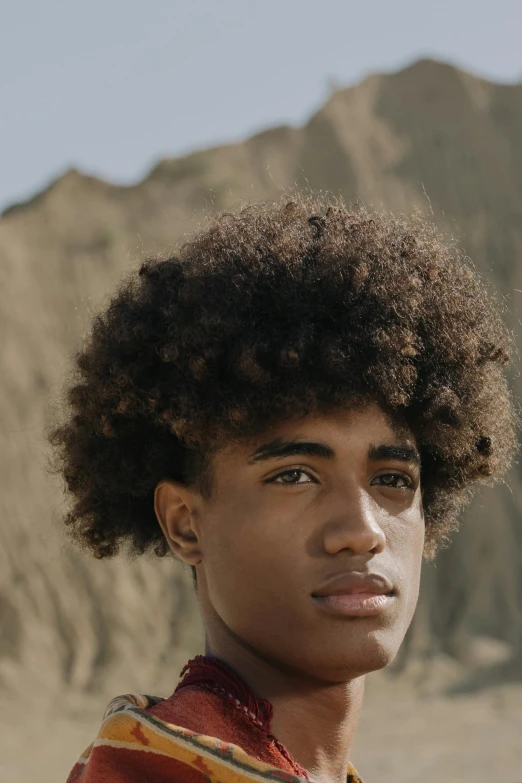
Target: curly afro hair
271,313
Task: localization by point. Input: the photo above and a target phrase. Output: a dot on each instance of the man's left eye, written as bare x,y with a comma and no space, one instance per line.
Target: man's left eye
395,481
292,477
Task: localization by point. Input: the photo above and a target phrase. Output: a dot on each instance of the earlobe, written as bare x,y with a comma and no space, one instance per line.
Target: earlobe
174,504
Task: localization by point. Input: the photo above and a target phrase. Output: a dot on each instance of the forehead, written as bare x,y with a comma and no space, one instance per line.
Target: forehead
368,422
340,428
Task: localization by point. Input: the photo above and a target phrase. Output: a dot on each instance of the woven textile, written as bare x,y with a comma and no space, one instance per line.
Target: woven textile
141,741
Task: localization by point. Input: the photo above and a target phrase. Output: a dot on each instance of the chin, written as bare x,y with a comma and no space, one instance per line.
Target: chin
345,662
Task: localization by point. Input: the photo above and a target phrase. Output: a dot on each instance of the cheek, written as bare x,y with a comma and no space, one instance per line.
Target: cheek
406,541
239,543
252,531
250,565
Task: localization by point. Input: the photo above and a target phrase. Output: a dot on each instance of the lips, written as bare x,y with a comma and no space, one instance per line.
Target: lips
354,595
352,583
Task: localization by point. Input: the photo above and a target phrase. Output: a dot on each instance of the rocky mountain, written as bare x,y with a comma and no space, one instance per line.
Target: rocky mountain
429,136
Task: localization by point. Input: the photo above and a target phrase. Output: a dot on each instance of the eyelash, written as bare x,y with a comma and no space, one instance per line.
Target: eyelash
273,480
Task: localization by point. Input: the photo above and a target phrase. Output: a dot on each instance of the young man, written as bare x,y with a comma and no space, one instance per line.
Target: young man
296,406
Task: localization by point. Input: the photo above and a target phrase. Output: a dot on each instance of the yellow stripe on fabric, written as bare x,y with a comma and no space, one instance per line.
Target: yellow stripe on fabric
132,730
127,725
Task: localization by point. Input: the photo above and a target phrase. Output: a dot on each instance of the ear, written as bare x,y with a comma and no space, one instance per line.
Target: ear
175,506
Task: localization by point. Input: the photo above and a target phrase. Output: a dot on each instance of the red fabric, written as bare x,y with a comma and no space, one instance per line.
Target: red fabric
211,728
213,700
127,766
216,676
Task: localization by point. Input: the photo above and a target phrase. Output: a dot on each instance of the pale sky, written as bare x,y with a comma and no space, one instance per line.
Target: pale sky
111,86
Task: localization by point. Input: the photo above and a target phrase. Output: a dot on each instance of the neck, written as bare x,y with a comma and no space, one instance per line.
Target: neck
318,725
315,721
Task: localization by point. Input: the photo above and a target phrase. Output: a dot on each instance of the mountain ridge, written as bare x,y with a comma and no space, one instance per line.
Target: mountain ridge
419,67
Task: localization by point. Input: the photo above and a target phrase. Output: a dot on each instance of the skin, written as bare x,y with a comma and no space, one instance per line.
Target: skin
276,526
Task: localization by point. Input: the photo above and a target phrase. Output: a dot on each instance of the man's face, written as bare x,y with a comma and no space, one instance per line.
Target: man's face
328,504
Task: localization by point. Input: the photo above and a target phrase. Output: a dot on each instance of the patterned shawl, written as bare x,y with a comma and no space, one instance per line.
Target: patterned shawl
141,739
134,746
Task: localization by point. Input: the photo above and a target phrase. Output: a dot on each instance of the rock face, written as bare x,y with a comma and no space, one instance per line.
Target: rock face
429,136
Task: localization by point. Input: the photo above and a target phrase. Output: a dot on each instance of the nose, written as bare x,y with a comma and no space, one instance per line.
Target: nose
354,526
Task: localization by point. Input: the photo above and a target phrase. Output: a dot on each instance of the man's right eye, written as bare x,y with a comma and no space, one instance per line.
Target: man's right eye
293,476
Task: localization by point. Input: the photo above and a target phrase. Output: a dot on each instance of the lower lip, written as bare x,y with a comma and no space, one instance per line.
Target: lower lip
354,604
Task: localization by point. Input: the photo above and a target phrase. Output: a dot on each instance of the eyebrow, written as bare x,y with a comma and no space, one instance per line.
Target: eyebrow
404,453
281,447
